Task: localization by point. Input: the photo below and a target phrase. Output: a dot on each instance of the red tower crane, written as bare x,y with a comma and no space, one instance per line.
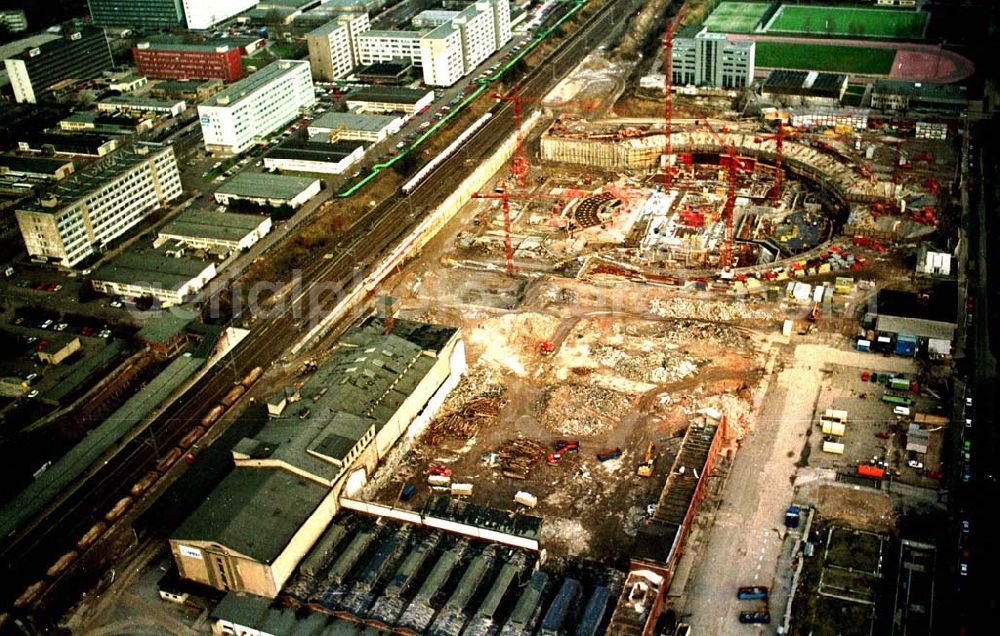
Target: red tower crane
733,164
504,198
668,100
520,165
778,138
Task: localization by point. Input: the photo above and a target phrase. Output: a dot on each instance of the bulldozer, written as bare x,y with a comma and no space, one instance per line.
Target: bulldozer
646,467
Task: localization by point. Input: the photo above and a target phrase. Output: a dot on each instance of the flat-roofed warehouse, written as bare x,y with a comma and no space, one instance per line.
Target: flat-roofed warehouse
268,189
315,157
361,126
262,519
208,229
38,167
152,273
387,99
805,87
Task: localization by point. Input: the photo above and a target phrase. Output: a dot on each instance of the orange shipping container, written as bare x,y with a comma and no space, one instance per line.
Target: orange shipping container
871,471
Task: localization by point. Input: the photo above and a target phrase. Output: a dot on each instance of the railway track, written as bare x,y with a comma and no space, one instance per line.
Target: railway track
26,555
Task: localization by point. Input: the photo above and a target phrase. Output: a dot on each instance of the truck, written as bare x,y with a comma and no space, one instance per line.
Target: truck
755,617
897,383
752,593
896,399
608,454
792,516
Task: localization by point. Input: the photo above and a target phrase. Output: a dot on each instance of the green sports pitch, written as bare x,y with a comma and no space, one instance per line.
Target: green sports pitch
847,22
825,57
736,17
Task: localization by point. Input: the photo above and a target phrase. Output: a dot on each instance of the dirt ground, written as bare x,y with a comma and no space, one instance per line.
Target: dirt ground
611,381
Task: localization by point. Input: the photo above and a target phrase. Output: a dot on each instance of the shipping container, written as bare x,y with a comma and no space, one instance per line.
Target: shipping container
875,472
833,427
609,454
906,345
836,414
525,499
830,446
899,400
461,489
864,345
792,516
899,384
438,480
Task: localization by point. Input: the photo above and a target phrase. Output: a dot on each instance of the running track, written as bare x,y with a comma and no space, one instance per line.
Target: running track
914,62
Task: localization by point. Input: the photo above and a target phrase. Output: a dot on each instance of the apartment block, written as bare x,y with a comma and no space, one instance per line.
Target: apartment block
248,111
188,61
385,46
136,13
333,46
79,54
81,214
712,59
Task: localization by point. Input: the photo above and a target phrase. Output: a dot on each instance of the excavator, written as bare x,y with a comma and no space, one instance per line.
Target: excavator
646,467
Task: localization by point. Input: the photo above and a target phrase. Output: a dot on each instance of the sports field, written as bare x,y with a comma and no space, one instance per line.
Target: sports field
825,57
736,17
847,22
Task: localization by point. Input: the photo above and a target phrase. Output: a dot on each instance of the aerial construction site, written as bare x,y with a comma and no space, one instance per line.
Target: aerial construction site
651,355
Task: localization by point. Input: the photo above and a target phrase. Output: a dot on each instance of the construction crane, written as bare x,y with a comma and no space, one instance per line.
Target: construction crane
730,205
504,197
520,165
778,138
668,100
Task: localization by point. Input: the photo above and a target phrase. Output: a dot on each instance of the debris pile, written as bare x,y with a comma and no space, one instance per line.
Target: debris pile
517,456
656,367
465,422
709,310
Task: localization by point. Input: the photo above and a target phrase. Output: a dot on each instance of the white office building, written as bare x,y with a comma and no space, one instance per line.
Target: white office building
204,14
87,210
333,50
251,109
712,59
449,45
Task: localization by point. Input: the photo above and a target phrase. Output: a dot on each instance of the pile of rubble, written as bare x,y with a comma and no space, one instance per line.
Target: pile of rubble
517,456
653,367
710,310
582,410
465,422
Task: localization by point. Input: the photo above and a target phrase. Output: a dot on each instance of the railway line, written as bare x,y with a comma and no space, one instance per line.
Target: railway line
27,554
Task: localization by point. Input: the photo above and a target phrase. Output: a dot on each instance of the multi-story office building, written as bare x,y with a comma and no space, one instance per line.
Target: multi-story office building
448,45
235,119
333,46
79,54
88,209
137,13
712,59
14,20
204,14
194,14
188,61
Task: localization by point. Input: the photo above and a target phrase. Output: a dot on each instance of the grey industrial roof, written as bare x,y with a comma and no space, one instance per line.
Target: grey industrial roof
353,121
243,609
931,329
928,91
133,100
212,224
165,327
314,151
207,46
811,83
265,186
149,266
238,90
79,458
254,511
444,507
37,165
81,371
389,94
96,175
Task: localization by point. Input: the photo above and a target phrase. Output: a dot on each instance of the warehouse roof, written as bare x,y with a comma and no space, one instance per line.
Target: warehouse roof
389,94
34,165
243,609
937,304
266,186
353,121
923,91
238,90
212,224
254,512
150,266
315,151
165,327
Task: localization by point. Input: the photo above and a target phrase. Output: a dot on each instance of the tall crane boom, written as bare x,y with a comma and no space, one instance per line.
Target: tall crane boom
729,207
520,164
668,100
779,144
